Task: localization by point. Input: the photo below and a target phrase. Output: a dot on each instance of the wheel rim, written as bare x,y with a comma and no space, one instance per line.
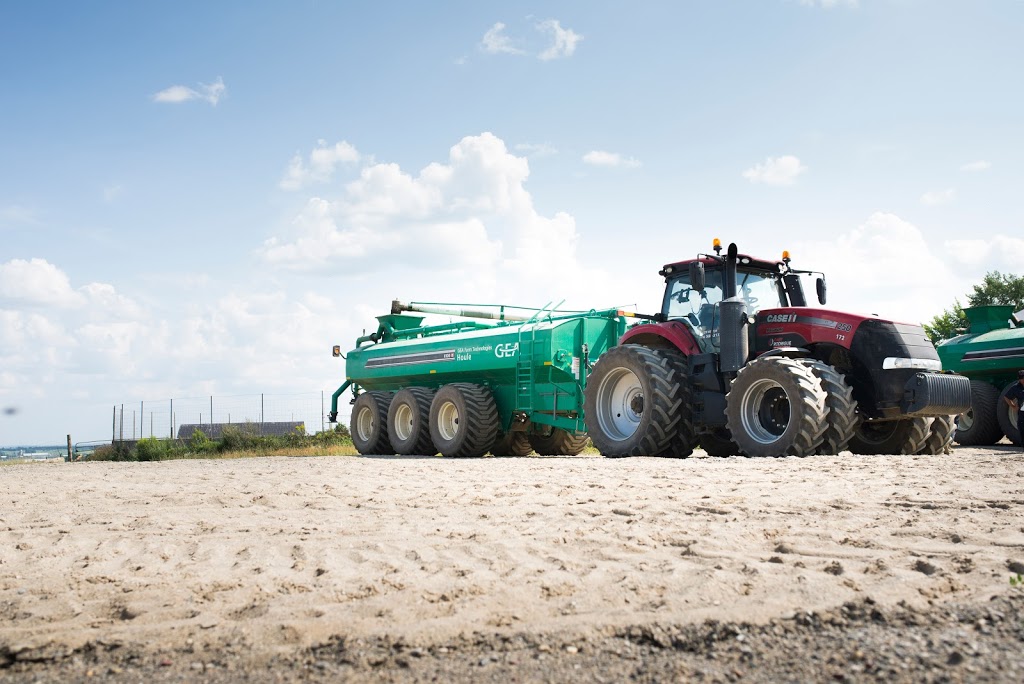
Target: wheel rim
403,422
878,433
965,421
448,421
765,411
619,403
365,424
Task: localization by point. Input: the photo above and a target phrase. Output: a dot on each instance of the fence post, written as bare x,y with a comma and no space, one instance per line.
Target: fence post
211,411
142,419
321,411
113,426
69,448
171,436
261,414
121,431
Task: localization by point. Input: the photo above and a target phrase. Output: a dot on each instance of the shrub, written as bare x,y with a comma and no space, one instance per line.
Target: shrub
151,449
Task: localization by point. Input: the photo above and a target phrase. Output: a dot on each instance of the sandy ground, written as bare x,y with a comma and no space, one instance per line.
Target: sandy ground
270,557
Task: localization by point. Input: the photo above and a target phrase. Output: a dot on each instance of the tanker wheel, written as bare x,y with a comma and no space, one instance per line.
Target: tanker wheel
558,443
901,436
842,409
1007,417
463,420
776,407
979,425
369,426
940,436
633,403
718,443
512,444
409,422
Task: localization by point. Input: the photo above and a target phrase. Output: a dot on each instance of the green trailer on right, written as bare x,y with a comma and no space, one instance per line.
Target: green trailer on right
989,354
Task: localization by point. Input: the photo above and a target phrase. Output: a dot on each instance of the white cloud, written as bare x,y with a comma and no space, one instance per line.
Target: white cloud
976,166
36,282
558,42
496,42
536,150
934,198
563,43
776,171
996,252
176,94
886,266
461,230
320,167
829,4
610,159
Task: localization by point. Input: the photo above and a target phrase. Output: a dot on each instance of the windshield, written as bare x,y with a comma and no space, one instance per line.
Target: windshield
759,289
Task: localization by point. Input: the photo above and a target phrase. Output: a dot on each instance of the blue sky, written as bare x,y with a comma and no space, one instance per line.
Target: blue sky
202,198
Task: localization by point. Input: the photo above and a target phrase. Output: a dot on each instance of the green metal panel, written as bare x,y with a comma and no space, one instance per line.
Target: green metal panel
991,351
537,368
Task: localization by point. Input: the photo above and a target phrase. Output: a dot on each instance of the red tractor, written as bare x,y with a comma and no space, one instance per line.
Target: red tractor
739,363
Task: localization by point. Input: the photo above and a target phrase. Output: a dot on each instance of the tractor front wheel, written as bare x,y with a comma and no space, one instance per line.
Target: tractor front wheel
369,427
463,420
776,407
512,444
558,443
940,436
900,436
633,402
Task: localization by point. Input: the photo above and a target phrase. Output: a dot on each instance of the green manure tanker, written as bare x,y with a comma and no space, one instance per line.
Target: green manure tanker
989,354
503,383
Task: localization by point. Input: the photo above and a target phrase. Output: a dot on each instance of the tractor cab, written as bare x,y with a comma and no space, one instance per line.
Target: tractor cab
695,289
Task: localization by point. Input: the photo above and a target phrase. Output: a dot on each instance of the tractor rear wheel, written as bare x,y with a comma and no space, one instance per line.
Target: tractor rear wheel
633,402
901,436
776,407
842,409
683,444
719,443
979,426
463,420
558,443
512,444
409,422
369,426
1008,417
940,436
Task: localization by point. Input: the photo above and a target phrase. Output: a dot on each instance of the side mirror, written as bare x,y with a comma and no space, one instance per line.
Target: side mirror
697,276
822,290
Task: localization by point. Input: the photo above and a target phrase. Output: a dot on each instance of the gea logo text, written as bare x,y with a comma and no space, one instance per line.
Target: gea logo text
506,350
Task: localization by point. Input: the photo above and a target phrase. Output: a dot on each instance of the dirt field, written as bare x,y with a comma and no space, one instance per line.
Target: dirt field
525,569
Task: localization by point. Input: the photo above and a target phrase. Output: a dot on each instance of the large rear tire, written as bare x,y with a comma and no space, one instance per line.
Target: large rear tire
979,426
940,436
558,443
685,441
842,409
512,444
1008,417
463,420
409,422
369,425
634,402
776,407
901,436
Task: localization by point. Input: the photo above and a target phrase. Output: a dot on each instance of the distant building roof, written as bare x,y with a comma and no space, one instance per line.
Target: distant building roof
216,430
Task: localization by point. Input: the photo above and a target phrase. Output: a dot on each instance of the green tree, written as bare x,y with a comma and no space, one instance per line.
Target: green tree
995,288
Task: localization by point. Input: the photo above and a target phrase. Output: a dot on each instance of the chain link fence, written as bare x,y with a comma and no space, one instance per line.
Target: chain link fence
163,418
